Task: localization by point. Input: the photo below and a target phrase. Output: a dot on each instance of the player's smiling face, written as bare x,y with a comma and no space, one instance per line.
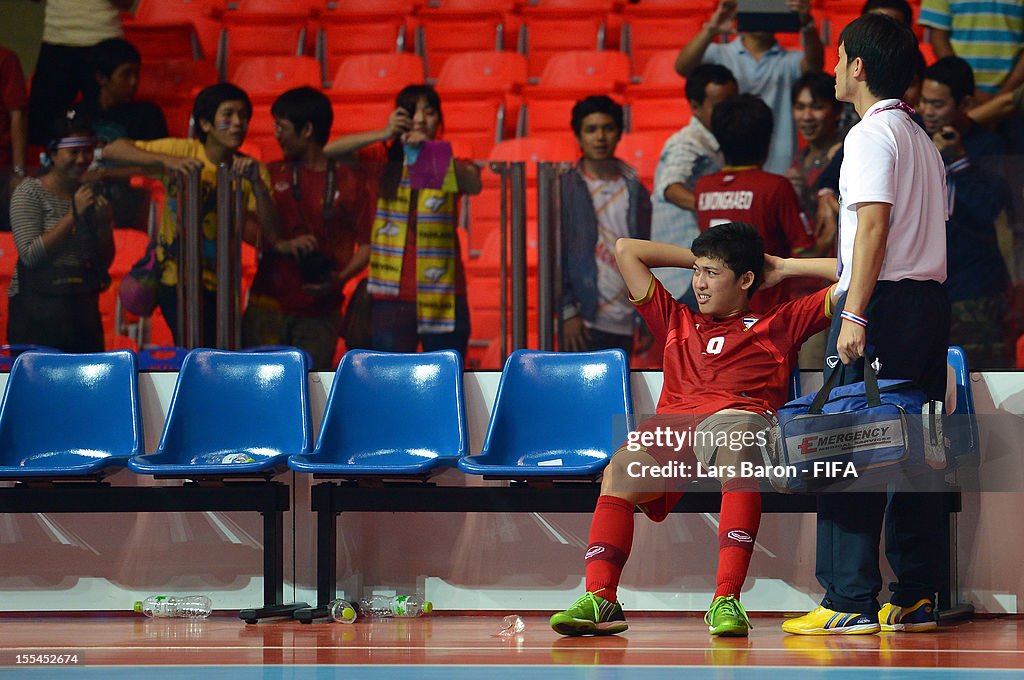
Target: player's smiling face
720,293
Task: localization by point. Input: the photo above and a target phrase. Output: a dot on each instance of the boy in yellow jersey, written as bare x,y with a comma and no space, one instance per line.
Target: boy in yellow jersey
221,113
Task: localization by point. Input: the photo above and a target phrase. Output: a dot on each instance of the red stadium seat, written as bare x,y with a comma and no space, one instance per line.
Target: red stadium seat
553,26
660,74
558,147
578,73
658,103
641,150
242,40
474,75
657,113
203,16
448,27
360,116
376,75
487,73
264,78
364,27
173,85
651,27
173,79
159,41
477,123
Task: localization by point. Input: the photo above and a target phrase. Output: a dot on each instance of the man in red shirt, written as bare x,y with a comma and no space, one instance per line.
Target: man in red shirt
296,297
726,370
743,192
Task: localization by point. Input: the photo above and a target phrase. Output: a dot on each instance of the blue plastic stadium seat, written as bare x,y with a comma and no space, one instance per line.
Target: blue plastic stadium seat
278,348
8,353
70,415
391,415
556,414
961,429
233,414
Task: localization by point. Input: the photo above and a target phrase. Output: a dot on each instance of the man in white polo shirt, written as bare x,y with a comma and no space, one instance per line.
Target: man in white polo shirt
892,263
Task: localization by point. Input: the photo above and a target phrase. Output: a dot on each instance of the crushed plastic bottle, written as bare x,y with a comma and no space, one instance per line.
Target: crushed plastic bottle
404,606
512,624
185,606
342,611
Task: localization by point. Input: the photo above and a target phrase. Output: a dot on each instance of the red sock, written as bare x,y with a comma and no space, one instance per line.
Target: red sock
611,537
737,531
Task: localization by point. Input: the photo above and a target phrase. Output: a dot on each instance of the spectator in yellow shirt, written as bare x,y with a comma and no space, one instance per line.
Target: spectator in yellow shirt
221,113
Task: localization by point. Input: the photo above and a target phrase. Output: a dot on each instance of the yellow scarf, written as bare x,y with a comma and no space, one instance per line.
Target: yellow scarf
436,242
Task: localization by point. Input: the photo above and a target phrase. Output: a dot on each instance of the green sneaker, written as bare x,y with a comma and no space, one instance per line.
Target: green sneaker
590,615
727,618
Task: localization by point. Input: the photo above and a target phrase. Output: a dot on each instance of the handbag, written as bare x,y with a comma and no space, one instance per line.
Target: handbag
138,289
356,329
861,436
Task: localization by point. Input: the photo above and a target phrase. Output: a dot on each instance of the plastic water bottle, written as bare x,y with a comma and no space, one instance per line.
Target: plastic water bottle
342,611
394,605
185,607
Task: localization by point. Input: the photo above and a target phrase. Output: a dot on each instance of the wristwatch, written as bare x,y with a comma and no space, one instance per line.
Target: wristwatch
18,171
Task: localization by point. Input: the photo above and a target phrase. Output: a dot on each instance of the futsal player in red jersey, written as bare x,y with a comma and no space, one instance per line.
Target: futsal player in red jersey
725,371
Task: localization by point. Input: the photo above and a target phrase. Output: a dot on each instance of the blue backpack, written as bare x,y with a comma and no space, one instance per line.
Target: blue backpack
860,436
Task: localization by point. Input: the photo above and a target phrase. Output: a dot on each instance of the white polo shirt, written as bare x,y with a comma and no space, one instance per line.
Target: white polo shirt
888,158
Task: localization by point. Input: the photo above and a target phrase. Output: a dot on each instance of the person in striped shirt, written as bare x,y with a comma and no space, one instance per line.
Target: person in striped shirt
62,231
989,35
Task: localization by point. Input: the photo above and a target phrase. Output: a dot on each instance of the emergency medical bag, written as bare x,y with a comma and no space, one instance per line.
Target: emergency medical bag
862,436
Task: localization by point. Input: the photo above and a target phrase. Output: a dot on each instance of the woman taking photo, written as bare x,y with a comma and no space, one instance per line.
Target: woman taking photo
62,231
417,276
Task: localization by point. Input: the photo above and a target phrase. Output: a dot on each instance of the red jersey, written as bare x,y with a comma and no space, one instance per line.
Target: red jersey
743,362
13,97
764,200
345,223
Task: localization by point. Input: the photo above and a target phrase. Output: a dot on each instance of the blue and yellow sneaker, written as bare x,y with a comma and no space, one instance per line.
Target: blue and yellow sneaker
917,618
824,621
590,615
727,618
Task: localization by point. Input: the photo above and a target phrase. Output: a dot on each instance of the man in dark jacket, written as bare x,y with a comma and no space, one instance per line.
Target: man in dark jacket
602,201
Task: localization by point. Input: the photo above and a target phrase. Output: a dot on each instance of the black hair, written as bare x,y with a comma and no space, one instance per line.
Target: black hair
68,124
743,127
954,73
738,244
106,56
901,6
887,49
596,103
821,85
306,105
209,100
704,74
408,98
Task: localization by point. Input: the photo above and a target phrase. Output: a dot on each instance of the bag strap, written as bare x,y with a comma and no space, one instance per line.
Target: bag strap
870,388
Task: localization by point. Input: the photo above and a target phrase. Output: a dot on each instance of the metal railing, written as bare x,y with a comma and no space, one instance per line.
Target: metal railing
230,202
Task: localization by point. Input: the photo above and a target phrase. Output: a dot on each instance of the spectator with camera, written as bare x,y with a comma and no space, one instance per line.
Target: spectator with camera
62,231
761,66
296,297
417,277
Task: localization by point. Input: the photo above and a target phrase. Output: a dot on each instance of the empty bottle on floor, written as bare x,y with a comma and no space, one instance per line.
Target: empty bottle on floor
394,605
185,607
342,611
